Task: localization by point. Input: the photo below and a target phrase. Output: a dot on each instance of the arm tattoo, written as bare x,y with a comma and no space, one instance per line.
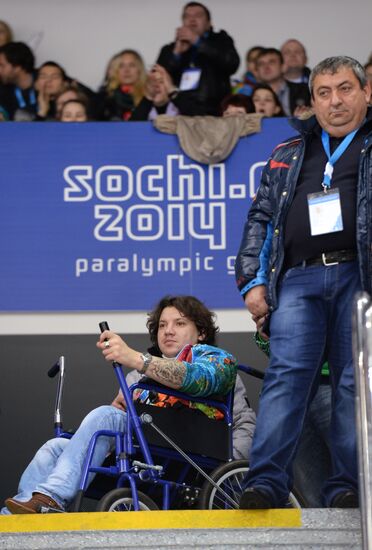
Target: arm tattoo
169,371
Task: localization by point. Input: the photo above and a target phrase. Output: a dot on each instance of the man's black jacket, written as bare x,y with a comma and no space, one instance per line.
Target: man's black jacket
216,56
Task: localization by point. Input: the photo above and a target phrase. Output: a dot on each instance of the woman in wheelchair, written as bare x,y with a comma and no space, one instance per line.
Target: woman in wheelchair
182,331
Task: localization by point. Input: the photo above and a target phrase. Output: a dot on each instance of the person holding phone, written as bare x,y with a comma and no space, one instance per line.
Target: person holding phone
200,60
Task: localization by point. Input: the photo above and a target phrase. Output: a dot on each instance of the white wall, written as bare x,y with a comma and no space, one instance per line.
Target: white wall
83,34
130,322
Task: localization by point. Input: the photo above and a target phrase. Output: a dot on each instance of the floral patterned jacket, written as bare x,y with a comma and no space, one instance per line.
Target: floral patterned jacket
209,371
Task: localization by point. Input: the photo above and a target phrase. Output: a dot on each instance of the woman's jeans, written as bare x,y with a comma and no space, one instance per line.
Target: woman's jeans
312,322
56,469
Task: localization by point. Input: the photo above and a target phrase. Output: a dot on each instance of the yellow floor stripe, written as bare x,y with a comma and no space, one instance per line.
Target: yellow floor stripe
174,519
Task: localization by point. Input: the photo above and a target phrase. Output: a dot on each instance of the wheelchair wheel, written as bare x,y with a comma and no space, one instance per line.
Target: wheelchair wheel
120,500
230,477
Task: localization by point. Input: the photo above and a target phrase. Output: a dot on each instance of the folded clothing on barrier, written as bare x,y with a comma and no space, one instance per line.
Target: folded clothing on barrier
209,139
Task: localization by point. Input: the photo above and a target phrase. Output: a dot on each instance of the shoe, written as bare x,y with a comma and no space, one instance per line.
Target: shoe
32,506
345,499
254,499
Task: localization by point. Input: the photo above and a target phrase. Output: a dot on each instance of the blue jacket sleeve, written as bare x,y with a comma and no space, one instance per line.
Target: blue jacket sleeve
252,260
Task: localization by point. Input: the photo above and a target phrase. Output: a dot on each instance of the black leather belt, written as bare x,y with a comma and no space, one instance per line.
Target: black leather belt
332,258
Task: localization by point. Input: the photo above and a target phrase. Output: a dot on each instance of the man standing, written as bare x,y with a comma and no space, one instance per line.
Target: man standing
17,93
294,97
305,252
200,61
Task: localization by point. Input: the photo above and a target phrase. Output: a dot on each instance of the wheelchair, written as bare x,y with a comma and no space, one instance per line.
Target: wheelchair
167,458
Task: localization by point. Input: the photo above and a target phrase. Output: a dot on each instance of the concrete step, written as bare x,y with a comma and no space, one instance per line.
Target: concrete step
262,530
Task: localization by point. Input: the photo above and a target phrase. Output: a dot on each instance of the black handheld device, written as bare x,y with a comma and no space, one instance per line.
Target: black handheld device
104,326
53,371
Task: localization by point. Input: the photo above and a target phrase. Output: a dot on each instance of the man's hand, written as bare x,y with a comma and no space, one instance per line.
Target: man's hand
259,327
162,76
115,349
185,38
119,401
255,300
161,85
150,87
43,100
169,372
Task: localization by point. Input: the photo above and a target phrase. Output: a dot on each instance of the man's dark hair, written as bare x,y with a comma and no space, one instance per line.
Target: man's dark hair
238,100
197,5
267,51
190,307
332,65
19,54
56,66
253,49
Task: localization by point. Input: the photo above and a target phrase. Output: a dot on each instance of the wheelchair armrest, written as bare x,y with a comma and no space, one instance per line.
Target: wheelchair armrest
223,406
251,371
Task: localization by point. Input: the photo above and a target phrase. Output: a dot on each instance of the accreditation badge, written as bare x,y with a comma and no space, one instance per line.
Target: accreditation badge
325,212
190,79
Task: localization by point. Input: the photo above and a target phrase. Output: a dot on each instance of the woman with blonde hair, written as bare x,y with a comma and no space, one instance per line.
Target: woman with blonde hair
124,85
6,33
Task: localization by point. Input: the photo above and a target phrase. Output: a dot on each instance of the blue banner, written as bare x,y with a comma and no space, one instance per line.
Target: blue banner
113,216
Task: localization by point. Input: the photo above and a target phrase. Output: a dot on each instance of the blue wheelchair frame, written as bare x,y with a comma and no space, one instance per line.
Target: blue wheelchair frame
130,471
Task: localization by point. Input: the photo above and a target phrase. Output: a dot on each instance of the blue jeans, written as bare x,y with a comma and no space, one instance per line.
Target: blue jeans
312,465
312,321
56,468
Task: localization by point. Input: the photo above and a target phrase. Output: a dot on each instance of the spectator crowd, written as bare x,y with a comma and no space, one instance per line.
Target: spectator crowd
193,75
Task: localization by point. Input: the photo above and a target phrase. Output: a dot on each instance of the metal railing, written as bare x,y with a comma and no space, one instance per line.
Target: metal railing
362,350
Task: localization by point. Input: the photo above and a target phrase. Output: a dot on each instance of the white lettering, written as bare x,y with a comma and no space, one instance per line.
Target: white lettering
147,178
123,265
166,264
208,221
146,266
78,187
230,264
114,183
81,266
144,222
184,180
174,202
107,229
97,265
185,265
207,264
